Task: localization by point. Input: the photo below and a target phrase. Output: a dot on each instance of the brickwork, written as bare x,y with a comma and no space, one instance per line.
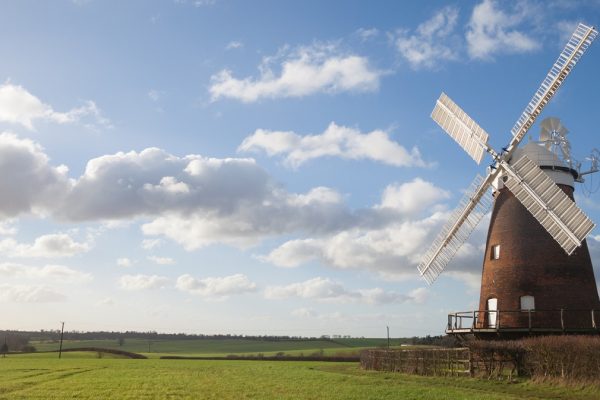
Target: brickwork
532,263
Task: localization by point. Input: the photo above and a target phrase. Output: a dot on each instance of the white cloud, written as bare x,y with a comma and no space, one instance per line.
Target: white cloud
433,42
46,246
107,301
197,3
412,198
193,200
22,160
305,71
57,272
392,250
18,106
324,289
142,282
125,262
390,238
149,244
338,141
29,294
154,95
304,313
216,288
7,228
367,33
316,288
492,31
234,44
161,260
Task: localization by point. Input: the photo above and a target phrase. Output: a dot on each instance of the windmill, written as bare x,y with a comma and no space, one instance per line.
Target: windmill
534,215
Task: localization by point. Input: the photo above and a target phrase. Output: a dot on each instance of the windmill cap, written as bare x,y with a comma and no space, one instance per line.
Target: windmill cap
548,161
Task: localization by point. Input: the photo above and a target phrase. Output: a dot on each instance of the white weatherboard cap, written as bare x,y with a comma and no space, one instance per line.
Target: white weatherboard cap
539,154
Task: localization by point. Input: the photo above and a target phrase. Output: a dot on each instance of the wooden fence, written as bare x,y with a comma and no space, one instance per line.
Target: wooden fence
439,362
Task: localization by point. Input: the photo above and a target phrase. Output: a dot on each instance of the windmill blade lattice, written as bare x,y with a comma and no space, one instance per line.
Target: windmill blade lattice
456,123
576,46
472,208
554,210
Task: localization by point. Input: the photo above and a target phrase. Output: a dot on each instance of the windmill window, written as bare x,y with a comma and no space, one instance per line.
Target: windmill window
495,252
527,303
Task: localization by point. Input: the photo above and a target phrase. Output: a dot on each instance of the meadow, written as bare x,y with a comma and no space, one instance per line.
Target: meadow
222,347
80,375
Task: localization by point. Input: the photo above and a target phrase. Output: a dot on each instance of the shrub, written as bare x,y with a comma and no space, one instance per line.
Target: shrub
566,358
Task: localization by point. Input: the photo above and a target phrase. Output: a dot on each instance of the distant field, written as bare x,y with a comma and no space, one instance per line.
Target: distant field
37,376
220,346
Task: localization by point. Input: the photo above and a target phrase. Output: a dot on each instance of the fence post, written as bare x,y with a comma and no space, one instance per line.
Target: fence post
474,316
562,320
529,312
593,320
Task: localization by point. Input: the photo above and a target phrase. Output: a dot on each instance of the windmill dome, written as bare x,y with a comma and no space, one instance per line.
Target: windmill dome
547,160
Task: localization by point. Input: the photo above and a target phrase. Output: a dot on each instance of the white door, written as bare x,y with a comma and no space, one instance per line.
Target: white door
492,306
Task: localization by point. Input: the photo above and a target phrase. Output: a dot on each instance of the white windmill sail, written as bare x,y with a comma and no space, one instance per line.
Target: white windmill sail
554,210
474,205
567,224
576,46
456,123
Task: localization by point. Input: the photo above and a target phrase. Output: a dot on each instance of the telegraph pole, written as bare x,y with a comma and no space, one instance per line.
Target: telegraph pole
62,330
388,335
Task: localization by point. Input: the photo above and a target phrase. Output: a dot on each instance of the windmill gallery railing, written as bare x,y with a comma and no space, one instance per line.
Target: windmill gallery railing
523,321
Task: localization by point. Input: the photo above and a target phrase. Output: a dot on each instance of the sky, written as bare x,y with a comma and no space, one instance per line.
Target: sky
260,168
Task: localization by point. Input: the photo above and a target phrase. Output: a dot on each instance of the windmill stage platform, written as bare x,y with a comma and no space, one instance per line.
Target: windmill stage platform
486,323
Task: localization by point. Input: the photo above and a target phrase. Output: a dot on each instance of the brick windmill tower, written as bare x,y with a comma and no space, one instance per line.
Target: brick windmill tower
537,272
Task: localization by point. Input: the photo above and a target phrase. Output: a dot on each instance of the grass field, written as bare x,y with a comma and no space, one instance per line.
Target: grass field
37,376
220,347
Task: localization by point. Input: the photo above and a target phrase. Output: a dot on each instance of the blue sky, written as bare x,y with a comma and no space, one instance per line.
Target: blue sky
220,166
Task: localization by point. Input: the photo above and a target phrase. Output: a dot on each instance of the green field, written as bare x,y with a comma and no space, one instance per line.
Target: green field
220,347
81,376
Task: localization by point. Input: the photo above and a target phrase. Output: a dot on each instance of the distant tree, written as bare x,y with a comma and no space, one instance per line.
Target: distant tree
121,340
4,349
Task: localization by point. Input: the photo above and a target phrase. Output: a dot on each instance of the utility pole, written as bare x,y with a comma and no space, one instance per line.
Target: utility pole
62,331
388,335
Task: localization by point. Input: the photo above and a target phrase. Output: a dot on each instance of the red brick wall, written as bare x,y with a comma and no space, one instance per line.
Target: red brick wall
532,263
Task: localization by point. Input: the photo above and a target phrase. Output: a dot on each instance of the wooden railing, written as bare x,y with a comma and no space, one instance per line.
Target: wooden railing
565,320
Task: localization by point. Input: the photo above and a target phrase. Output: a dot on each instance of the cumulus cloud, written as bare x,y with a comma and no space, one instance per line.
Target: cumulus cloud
234,44
47,246
29,294
125,262
161,260
56,272
304,313
392,249
154,94
149,244
216,288
193,200
433,41
366,34
18,106
336,141
22,160
492,31
324,289
304,71
142,282
412,198
7,228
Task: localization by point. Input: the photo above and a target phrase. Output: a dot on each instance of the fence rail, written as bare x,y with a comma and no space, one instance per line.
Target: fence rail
559,320
439,362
